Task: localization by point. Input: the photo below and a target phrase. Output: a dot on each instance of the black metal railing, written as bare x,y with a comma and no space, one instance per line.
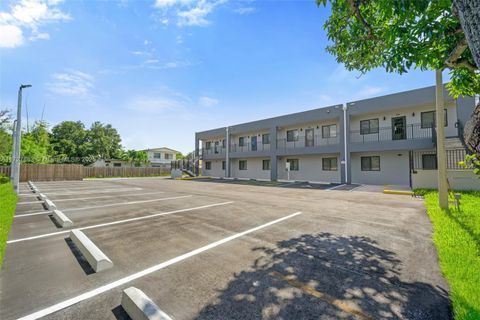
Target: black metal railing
452,156
247,147
408,132
214,150
306,142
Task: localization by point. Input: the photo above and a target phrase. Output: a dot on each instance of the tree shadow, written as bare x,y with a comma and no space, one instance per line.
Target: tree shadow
325,276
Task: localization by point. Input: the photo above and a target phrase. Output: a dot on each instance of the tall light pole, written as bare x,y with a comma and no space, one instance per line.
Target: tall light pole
441,156
17,142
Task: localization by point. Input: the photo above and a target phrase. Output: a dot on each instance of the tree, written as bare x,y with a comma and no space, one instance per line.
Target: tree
103,141
68,141
402,34
134,157
468,12
4,117
35,146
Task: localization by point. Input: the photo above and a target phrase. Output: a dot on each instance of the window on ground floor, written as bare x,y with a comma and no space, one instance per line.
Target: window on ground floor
329,164
208,165
223,165
294,165
242,165
370,163
266,164
117,164
429,161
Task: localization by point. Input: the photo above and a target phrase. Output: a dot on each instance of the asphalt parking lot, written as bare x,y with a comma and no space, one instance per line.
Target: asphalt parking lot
205,250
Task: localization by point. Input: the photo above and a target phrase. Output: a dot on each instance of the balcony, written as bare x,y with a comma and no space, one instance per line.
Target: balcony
249,147
302,142
409,137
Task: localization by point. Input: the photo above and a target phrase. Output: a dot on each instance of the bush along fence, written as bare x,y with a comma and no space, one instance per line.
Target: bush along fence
51,172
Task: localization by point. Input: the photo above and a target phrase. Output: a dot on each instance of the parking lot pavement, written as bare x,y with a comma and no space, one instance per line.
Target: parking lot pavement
227,251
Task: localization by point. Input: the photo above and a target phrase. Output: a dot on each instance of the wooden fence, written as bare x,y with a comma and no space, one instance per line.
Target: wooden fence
51,172
102,172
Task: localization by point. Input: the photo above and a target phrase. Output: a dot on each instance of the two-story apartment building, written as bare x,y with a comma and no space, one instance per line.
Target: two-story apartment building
160,156
373,141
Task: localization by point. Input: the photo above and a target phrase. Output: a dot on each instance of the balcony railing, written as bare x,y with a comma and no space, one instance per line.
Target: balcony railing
213,150
248,147
408,132
309,142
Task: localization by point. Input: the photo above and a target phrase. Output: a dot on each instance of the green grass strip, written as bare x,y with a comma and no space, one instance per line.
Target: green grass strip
8,202
456,234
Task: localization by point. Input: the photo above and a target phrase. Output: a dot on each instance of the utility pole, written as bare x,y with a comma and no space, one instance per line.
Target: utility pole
441,156
17,142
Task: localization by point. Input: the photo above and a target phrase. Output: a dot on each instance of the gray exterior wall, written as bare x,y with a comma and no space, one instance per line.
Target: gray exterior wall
395,169
310,169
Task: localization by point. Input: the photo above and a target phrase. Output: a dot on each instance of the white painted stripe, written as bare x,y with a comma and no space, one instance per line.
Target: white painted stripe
73,189
102,206
121,221
31,202
137,275
333,188
356,188
100,197
93,191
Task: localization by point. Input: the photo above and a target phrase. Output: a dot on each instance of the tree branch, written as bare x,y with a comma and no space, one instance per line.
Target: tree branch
454,60
356,11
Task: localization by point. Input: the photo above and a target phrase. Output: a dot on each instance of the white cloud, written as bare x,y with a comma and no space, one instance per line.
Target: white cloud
205,101
187,12
10,36
29,16
71,83
245,10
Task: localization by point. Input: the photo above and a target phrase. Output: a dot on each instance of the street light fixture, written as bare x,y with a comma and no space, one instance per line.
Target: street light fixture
15,175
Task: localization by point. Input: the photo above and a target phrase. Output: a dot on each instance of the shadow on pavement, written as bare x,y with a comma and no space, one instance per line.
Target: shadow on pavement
325,276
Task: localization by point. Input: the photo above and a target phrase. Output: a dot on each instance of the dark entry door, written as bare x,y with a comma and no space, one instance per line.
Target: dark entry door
254,143
399,128
309,140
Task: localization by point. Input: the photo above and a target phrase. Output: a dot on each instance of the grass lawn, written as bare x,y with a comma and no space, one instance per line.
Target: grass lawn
456,234
8,202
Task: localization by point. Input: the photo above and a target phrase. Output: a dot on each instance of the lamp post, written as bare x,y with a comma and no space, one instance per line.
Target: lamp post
17,142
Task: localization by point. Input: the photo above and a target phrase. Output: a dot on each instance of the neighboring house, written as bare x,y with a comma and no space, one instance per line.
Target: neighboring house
111,163
159,156
382,140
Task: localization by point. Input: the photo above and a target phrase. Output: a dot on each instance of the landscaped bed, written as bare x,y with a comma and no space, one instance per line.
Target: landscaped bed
8,202
457,238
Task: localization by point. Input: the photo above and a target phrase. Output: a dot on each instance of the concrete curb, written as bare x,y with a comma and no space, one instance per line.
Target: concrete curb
49,204
62,219
95,257
140,307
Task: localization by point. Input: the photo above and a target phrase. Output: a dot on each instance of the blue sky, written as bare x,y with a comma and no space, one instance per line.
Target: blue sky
159,71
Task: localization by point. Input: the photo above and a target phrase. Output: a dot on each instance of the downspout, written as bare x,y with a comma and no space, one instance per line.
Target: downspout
344,107
227,151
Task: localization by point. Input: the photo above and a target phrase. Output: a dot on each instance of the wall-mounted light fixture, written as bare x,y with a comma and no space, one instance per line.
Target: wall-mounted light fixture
413,114
318,127
301,129
384,118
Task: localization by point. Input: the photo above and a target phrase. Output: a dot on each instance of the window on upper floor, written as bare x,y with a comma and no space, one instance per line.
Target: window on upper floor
223,143
370,163
369,126
168,156
241,141
266,138
157,155
329,131
329,164
428,119
292,135
208,145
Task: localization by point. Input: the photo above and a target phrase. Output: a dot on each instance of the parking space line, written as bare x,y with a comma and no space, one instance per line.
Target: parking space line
137,275
93,191
101,197
102,206
121,221
335,187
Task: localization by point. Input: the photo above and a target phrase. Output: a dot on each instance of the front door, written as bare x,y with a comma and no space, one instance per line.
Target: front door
216,147
309,142
399,130
254,143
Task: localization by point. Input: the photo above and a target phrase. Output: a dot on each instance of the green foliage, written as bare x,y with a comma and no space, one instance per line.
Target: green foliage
472,161
103,141
398,35
68,140
35,146
8,202
457,238
137,158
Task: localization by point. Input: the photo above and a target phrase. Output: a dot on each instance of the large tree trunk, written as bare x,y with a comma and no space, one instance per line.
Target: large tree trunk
472,131
468,11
